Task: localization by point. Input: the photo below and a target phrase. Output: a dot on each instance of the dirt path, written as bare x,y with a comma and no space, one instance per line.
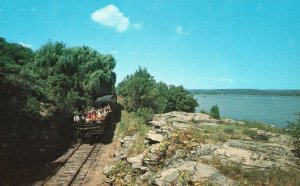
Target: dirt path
105,157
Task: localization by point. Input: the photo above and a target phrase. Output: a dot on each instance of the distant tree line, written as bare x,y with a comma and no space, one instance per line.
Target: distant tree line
143,95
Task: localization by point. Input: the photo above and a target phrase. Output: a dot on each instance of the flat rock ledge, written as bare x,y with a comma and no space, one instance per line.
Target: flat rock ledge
190,162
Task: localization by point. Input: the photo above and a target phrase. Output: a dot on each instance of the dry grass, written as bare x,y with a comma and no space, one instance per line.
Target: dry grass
273,176
130,125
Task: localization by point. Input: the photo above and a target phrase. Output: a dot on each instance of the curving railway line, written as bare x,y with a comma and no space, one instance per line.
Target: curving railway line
75,167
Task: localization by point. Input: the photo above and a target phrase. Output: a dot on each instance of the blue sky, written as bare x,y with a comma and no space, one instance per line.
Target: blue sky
195,43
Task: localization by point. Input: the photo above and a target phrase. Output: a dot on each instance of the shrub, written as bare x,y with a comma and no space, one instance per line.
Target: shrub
214,112
145,113
250,133
294,130
32,107
229,129
131,124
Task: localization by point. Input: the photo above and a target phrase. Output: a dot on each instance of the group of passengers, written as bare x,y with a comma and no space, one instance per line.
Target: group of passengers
94,114
97,114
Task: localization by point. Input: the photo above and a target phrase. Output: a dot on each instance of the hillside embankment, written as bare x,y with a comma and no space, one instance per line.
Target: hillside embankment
29,147
194,149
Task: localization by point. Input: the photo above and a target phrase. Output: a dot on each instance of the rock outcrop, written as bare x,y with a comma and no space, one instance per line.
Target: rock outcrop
188,149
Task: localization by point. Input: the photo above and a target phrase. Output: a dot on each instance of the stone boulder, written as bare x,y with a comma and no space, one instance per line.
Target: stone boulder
254,154
136,161
191,171
153,137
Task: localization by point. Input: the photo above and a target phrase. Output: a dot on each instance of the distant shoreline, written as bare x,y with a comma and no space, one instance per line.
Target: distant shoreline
245,92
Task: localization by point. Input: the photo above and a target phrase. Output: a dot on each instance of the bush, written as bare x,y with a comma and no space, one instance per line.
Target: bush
294,130
250,133
131,124
32,107
145,113
214,112
229,130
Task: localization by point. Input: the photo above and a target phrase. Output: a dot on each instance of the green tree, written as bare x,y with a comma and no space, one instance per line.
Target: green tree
141,91
179,99
214,112
73,77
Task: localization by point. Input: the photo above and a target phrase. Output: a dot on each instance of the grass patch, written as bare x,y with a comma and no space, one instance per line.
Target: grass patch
223,132
229,129
204,112
137,146
131,124
255,176
250,133
263,126
220,133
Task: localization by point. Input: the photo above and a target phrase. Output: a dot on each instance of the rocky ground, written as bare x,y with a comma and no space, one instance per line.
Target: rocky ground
194,149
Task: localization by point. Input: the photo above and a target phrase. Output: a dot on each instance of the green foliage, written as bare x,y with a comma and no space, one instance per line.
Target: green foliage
294,130
214,112
229,129
179,99
32,107
73,77
69,77
131,124
250,133
145,113
140,90
18,94
118,171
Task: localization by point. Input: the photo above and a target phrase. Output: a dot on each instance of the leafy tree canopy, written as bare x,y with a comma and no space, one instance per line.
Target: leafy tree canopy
140,91
72,77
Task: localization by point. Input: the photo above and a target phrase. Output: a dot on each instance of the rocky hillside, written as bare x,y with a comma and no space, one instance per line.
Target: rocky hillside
194,149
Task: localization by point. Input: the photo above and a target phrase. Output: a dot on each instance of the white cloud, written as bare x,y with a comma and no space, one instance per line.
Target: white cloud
138,26
26,45
111,16
179,29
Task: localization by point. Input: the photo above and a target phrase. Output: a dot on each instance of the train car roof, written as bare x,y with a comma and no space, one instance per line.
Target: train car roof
107,98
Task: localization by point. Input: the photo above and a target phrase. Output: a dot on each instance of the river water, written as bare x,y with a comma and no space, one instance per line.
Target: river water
276,110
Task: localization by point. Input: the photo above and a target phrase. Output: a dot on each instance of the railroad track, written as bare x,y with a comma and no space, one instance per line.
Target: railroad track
73,171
